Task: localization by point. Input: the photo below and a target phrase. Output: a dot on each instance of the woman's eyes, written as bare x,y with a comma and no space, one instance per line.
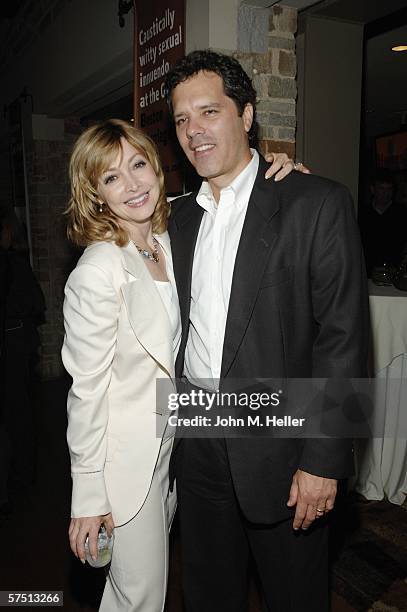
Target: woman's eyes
112,177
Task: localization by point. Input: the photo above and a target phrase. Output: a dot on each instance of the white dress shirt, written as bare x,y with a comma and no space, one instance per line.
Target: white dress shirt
212,272
169,298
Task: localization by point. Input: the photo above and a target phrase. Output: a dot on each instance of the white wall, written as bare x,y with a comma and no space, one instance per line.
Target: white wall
330,88
211,23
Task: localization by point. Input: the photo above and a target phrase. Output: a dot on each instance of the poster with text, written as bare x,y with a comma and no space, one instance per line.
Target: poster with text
159,43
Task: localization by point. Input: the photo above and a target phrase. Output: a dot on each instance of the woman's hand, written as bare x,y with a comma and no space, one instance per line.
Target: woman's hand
80,528
282,165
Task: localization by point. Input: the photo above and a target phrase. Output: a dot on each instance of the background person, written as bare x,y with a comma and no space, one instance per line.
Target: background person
24,307
383,223
4,440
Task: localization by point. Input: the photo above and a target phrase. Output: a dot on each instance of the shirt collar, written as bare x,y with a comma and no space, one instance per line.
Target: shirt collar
381,210
243,183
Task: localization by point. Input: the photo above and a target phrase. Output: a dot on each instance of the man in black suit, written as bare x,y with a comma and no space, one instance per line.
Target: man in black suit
271,284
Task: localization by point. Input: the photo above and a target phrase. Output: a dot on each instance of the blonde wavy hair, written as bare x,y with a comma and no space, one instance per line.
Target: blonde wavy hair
93,153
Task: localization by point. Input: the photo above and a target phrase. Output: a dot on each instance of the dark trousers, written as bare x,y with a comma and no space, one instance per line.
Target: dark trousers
217,541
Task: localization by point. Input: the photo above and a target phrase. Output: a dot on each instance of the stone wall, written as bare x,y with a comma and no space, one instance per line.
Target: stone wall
53,256
274,74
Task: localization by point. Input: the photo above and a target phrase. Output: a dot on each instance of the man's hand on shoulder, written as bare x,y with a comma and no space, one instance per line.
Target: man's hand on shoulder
313,497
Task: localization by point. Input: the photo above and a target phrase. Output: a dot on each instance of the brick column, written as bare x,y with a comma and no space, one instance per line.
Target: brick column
53,256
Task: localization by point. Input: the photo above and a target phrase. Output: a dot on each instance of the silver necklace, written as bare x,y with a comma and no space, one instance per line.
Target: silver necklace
153,256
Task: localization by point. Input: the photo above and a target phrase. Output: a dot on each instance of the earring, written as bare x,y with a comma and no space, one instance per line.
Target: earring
100,208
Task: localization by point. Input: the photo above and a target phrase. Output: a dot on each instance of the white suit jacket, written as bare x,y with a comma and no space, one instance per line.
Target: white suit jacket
117,342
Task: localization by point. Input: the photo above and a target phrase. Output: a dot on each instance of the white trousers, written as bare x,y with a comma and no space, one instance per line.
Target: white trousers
137,579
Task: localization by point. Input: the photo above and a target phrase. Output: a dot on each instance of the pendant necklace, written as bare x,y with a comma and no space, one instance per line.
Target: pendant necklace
153,256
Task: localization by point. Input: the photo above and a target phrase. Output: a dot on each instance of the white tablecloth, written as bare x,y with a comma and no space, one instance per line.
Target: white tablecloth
388,311
382,462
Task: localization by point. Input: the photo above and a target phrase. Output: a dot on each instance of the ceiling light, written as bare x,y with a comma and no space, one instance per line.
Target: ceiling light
399,48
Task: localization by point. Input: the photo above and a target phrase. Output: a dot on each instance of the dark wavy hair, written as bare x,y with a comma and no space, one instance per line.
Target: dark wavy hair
236,83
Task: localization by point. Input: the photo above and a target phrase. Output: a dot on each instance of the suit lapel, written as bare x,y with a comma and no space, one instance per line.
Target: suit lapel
147,315
184,230
259,234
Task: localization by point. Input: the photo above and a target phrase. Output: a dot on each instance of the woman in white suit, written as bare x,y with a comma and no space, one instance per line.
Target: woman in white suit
122,329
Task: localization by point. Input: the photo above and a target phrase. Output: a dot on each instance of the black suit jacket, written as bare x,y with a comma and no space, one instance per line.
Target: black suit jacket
298,308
